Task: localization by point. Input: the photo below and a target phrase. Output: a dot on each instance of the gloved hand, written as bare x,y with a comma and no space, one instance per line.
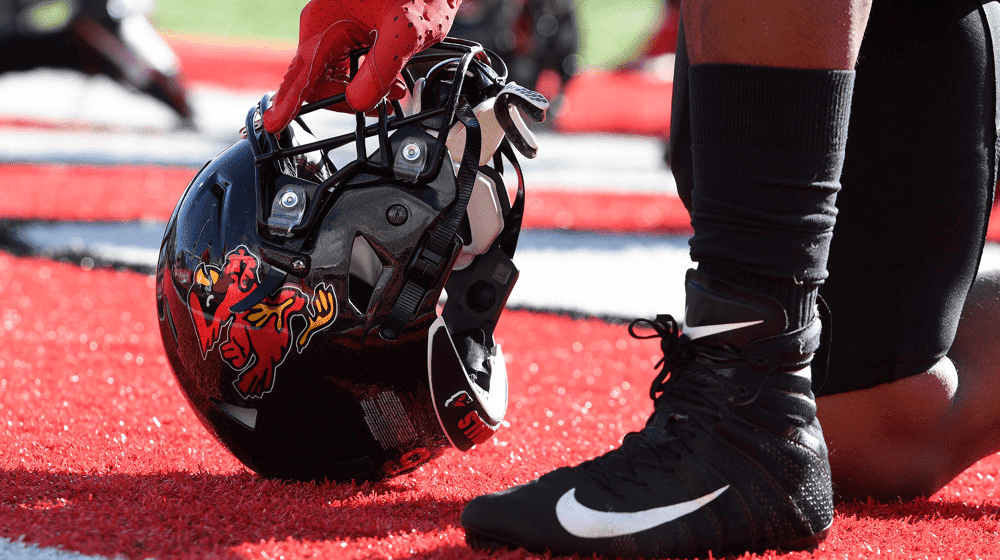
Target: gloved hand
329,30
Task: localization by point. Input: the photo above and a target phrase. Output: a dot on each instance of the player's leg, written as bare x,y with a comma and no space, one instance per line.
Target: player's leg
775,33
900,418
733,458
910,437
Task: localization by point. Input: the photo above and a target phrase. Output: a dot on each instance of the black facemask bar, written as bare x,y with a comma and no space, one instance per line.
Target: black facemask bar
462,54
461,60
286,254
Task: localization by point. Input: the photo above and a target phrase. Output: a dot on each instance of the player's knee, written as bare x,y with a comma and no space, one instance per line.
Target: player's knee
892,441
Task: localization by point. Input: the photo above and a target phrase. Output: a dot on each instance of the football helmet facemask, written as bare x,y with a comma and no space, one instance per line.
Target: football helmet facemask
333,319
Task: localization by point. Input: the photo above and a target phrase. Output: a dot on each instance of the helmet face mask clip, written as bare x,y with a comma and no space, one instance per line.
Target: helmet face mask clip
328,305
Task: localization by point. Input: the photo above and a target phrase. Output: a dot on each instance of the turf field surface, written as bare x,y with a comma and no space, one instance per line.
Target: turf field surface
101,456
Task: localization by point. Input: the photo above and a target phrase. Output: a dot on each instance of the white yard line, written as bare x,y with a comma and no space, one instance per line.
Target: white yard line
99,122
19,550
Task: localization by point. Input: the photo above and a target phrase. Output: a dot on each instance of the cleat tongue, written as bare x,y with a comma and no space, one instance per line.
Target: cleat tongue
722,314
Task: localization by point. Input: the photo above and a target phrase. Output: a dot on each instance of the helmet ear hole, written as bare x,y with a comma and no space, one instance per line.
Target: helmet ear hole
366,268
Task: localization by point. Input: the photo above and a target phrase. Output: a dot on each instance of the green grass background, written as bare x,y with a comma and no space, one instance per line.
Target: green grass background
610,29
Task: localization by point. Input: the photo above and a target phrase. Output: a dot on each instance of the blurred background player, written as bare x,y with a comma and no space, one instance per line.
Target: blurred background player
538,39
108,37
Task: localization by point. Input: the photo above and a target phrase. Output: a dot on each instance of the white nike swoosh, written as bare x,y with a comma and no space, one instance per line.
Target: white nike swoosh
581,521
708,330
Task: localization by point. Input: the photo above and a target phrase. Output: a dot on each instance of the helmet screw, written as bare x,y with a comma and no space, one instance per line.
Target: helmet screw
298,265
397,214
289,199
411,152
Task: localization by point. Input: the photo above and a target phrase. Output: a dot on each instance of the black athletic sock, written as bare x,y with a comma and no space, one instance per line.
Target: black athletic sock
767,150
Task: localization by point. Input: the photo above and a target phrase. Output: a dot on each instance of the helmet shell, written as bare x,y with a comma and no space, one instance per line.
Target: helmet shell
294,387
281,278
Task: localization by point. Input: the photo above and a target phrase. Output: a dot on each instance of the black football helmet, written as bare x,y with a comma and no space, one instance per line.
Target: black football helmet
334,319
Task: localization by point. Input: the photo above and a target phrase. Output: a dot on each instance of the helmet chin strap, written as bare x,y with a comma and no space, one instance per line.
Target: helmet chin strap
434,255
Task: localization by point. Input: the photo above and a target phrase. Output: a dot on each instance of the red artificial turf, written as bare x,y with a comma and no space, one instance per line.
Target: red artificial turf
224,61
91,193
593,102
100,454
63,192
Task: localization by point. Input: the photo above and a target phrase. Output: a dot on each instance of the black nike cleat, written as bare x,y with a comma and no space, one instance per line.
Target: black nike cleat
732,460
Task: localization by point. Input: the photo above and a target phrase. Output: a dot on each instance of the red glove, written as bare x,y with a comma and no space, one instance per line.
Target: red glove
329,30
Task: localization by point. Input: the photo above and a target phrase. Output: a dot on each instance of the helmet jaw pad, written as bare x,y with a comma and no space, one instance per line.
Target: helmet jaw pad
469,409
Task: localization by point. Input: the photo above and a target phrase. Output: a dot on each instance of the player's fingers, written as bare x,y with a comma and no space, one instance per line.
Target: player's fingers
307,78
400,36
313,22
287,100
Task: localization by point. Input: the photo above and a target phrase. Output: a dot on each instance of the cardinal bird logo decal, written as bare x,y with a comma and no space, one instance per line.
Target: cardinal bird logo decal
255,342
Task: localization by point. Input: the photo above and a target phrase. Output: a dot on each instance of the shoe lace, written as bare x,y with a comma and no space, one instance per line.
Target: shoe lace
688,384
688,397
